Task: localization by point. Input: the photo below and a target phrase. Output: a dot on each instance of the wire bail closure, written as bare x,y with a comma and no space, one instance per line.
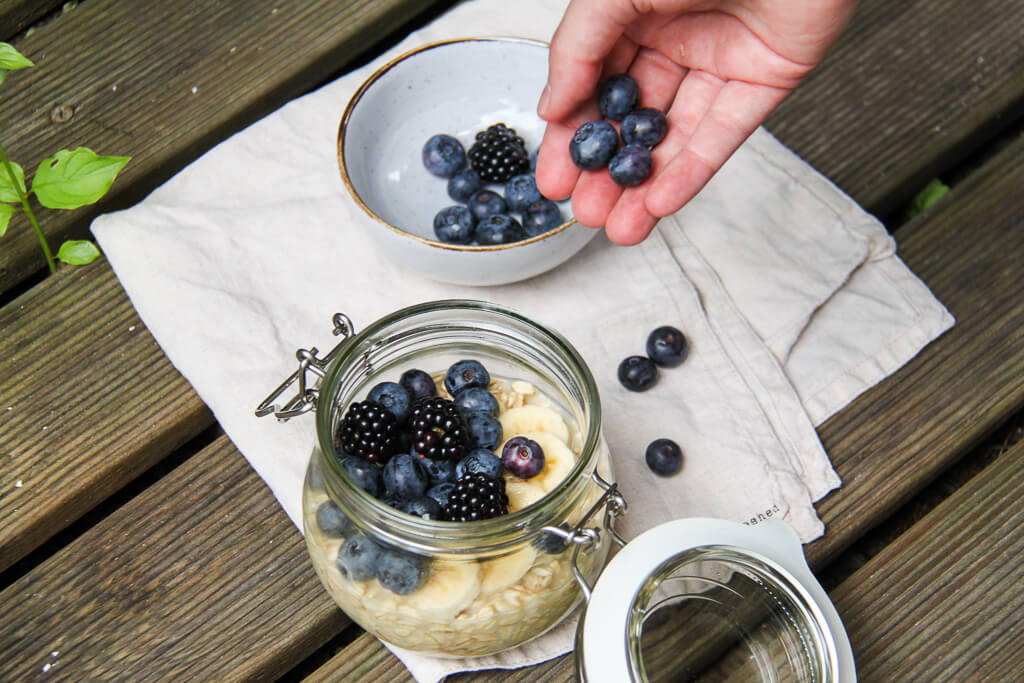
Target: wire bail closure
305,399
585,538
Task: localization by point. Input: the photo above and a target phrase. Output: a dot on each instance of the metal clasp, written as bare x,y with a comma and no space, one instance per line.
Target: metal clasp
305,399
585,538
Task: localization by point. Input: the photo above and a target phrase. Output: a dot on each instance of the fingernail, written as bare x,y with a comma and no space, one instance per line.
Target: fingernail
545,100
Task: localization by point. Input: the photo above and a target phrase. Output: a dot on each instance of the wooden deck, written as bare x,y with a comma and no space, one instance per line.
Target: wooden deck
140,545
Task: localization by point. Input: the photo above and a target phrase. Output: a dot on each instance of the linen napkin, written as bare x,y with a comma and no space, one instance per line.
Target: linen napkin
791,296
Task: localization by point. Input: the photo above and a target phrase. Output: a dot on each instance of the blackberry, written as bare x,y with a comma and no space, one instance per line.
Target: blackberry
476,496
368,431
438,430
498,154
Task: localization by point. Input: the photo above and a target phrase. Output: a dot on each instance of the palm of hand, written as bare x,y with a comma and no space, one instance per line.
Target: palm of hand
717,69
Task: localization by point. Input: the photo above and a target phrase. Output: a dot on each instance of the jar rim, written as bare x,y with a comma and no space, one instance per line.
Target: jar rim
456,537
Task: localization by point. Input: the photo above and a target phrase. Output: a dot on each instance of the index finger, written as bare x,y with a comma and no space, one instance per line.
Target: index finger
587,34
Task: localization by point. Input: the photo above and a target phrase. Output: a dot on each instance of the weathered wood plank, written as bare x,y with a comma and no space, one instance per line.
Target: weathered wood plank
924,82
895,439
955,572
88,401
199,578
163,83
959,388
18,15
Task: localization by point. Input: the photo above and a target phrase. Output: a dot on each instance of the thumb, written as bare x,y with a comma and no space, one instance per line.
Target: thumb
588,32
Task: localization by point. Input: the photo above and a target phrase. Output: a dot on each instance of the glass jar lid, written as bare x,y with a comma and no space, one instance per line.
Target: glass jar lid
704,599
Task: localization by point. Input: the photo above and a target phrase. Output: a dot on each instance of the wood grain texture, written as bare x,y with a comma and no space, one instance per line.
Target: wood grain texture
88,401
943,601
910,89
18,15
163,82
199,578
898,436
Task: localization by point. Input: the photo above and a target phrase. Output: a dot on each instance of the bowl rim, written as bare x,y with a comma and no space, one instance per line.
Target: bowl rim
350,109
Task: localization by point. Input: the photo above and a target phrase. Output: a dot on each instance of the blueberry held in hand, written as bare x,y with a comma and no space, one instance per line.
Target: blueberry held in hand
638,373
455,225
593,145
664,457
618,96
443,156
499,228
667,346
522,457
631,165
645,127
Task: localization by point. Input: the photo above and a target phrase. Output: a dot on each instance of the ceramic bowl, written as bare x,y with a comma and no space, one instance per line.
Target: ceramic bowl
455,87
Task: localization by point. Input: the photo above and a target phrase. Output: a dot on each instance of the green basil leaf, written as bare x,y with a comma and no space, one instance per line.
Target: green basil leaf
68,180
6,211
8,193
78,252
11,59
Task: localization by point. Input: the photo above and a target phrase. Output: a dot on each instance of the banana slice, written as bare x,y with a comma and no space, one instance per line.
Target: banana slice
449,589
521,493
533,418
501,572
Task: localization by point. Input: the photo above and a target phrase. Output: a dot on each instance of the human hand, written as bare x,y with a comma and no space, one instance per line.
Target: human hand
717,68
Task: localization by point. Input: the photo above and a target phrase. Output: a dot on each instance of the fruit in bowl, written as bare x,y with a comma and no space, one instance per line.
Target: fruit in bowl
399,165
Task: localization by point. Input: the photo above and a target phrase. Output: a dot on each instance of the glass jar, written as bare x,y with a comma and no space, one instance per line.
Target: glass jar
458,589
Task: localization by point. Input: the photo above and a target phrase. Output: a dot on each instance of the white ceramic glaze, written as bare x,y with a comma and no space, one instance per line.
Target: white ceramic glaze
455,87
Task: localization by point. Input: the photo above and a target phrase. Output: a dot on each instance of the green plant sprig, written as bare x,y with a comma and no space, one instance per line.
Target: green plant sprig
67,180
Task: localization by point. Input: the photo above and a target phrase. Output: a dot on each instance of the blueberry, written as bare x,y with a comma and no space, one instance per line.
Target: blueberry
466,373
631,165
522,457
392,396
480,461
617,96
463,184
363,474
667,346
499,228
400,572
438,471
593,144
358,558
484,430
418,383
485,202
477,399
664,457
541,216
645,127
521,191
404,476
421,506
454,225
440,492
332,521
533,159
638,373
443,156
